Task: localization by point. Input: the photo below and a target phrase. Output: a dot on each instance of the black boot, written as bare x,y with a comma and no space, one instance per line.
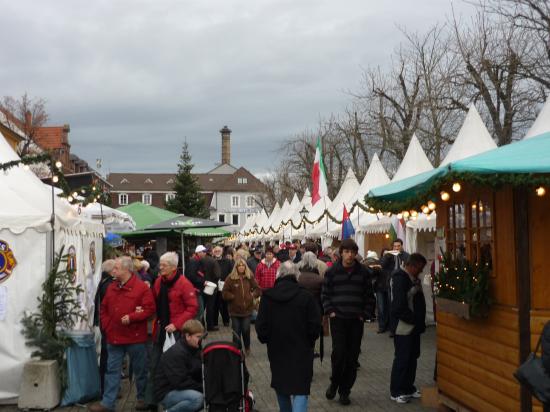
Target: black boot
344,400
331,391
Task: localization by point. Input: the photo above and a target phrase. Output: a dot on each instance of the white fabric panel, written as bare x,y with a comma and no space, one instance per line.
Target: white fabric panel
542,122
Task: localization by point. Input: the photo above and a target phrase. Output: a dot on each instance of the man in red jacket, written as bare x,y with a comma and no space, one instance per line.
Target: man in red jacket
266,271
124,311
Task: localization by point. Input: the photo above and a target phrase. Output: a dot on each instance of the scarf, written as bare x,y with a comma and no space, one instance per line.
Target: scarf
163,306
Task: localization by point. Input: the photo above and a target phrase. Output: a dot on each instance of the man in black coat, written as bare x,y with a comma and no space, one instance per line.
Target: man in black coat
255,259
178,377
212,273
288,322
348,299
407,322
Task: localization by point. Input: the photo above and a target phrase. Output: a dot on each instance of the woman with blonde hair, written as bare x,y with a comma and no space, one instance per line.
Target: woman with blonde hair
239,291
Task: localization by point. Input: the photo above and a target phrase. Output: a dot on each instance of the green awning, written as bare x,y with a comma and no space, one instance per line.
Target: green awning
149,234
206,232
146,215
526,157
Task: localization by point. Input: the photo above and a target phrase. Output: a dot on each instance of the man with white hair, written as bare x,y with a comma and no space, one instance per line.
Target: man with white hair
292,312
127,305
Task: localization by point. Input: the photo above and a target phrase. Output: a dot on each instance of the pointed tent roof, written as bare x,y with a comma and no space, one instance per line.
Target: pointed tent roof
347,190
542,122
414,162
473,138
272,216
306,200
250,222
376,176
278,218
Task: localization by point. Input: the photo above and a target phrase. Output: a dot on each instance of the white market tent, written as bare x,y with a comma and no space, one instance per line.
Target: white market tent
25,225
276,223
414,162
294,207
336,209
269,222
297,217
113,219
542,122
258,224
315,213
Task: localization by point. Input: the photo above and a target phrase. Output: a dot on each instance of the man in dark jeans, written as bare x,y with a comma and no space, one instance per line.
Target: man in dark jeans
408,314
347,298
391,261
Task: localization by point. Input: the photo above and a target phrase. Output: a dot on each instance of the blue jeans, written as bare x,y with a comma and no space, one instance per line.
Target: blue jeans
187,400
292,403
116,353
241,327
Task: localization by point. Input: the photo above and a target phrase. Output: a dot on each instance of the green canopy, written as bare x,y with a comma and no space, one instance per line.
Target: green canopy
206,232
516,162
146,215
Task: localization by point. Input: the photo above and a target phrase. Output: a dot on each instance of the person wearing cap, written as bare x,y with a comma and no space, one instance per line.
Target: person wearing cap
212,273
255,259
282,255
266,271
289,321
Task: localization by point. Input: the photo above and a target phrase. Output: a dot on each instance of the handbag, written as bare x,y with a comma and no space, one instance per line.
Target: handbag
533,376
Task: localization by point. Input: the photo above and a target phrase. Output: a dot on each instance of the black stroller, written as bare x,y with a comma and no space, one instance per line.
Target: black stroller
225,378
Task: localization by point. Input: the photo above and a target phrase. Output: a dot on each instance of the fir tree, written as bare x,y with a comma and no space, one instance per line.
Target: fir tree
58,311
188,200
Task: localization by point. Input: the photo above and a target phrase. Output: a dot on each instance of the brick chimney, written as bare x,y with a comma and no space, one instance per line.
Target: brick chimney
226,145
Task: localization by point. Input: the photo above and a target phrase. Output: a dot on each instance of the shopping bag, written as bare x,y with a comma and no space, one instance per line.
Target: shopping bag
533,376
169,342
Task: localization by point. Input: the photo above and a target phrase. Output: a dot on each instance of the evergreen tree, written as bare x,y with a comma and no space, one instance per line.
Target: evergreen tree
188,200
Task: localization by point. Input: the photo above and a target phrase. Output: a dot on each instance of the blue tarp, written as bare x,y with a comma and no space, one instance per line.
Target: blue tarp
83,373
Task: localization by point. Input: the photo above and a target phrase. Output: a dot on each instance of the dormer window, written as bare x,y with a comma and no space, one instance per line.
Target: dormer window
210,179
124,180
149,181
242,180
170,181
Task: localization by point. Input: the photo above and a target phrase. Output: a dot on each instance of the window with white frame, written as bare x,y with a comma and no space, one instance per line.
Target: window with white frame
242,180
235,219
221,218
170,196
234,201
122,199
147,198
250,201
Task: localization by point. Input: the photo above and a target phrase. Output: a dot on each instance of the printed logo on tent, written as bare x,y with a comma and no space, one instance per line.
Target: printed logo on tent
92,256
71,263
7,261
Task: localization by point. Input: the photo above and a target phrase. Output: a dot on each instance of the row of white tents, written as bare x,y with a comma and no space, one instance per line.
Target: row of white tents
33,234
473,138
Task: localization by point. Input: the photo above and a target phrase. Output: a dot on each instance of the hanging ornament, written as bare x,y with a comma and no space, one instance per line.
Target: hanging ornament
431,205
541,191
456,187
445,196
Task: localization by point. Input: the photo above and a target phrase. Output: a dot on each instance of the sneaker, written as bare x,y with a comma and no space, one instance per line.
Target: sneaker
344,400
331,391
400,399
416,395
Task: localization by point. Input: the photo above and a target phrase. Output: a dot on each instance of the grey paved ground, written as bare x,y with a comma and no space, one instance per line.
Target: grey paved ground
370,393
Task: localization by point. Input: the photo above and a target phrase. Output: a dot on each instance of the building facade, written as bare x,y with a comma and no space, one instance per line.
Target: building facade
232,194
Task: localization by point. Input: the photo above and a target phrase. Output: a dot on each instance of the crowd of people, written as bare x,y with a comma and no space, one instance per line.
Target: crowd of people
156,313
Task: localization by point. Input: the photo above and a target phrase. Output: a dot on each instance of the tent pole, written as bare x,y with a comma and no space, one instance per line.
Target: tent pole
53,225
182,253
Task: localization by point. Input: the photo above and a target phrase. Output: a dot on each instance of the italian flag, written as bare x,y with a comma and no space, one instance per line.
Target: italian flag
319,176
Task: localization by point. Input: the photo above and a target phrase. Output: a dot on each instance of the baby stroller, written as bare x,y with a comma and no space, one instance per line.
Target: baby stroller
225,378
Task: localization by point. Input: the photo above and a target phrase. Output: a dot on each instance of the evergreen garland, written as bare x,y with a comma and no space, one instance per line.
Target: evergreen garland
419,196
188,200
58,311
464,282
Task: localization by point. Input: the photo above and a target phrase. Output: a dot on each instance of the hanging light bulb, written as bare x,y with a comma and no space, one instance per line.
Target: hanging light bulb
387,235
58,164
400,216
431,205
456,187
425,209
70,198
406,214
55,179
541,191
75,194
388,214
26,167
94,188
414,213
445,196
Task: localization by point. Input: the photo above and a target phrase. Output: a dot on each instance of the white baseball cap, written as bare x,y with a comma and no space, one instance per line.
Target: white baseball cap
200,248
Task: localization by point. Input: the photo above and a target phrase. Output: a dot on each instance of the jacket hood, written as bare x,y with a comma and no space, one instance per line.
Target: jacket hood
285,289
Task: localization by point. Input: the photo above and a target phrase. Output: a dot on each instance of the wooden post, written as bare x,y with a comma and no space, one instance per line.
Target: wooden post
523,281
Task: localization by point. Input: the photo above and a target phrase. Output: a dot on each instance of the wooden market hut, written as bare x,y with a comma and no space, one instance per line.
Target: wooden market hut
500,214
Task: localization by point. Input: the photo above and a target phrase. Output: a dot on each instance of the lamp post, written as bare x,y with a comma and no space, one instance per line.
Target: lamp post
304,213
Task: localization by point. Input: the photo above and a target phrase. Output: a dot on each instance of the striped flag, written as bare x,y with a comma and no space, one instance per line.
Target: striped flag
347,227
319,176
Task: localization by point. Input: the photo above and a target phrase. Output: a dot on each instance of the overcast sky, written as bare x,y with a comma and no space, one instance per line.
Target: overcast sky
133,78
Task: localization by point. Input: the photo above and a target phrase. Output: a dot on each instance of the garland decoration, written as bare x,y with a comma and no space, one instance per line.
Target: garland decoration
432,191
83,195
464,282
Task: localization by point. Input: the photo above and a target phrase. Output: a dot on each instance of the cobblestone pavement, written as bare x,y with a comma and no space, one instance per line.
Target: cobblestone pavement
370,392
